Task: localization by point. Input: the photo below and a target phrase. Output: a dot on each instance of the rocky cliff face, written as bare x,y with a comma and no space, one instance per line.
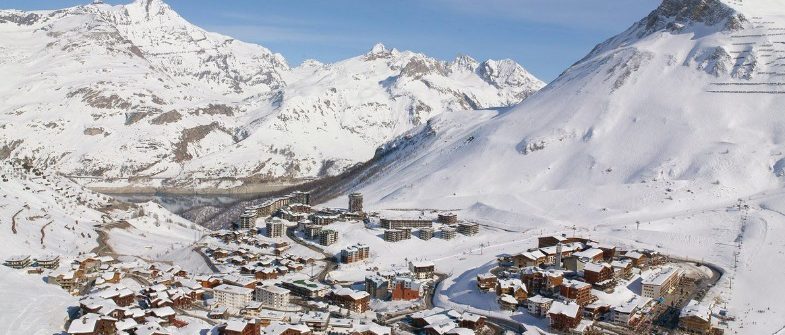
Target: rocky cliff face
108,93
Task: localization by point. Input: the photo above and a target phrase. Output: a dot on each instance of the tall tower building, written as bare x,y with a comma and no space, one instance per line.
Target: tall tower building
356,202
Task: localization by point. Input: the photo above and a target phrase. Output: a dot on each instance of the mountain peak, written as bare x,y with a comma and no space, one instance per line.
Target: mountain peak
685,12
378,48
151,8
380,51
464,62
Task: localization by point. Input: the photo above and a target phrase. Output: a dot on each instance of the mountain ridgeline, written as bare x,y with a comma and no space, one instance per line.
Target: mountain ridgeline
134,96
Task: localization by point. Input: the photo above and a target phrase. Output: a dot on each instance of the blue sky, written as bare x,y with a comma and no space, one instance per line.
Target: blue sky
545,36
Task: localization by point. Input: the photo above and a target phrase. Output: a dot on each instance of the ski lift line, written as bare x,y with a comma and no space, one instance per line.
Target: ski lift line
747,92
749,84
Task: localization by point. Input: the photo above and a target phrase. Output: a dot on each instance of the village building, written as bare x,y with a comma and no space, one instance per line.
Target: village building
300,197
70,280
622,268
247,221
324,217
449,233
88,263
469,229
404,288
695,318
608,251
405,223
269,207
279,248
598,274
312,231
356,202
421,319
576,291
265,273
294,213
564,317
552,241
396,235
660,283
549,241
352,327
109,277
298,208
18,261
275,228
355,253
237,280
218,313
654,257
486,281
425,233
354,301
93,324
529,258
422,270
565,250
306,288
316,321
127,326
471,321
48,261
538,280
165,314
267,317
638,259
538,305
328,237
121,295
277,328
631,312
595,311
230,296
508,302
272,296
513,287
252,310
574,263
593,254
207,281
447,218
377,286
239,327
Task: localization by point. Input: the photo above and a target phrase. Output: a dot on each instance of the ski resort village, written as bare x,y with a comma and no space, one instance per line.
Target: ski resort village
157,178
285,266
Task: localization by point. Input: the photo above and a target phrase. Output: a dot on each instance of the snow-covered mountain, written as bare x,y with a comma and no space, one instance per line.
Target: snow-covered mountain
655,139
693,92
135,95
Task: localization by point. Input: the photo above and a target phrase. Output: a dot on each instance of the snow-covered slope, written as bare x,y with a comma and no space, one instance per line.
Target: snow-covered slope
43,213
648,141
655,103
46,214
135,91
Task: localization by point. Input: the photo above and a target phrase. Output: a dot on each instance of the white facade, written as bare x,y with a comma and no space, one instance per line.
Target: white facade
272,296
232,296
657,285
538,305
275,228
